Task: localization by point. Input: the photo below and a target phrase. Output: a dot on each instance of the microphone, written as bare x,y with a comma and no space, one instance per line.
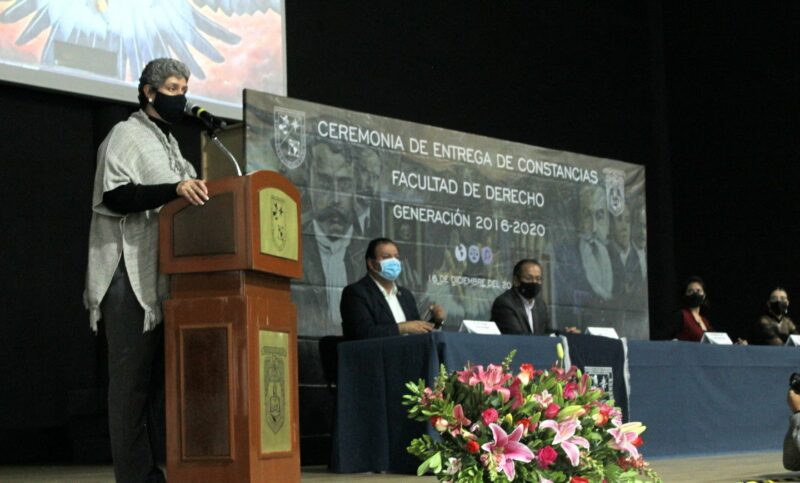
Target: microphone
213,123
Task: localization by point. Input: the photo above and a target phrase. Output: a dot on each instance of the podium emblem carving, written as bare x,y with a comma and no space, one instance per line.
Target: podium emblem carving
290,136
278,222
278,219
274,387
274,391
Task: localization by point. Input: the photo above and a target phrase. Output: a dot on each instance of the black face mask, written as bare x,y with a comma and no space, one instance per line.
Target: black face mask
529,290
778,307
694,300
170,108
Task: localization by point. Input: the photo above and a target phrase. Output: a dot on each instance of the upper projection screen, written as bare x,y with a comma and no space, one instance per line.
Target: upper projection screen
99,47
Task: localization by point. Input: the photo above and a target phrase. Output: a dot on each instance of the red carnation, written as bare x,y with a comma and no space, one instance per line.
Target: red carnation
546,457
578,479
473,446
489,416
552,410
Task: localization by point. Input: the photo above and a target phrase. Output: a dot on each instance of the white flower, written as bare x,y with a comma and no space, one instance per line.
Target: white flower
453,466
544,399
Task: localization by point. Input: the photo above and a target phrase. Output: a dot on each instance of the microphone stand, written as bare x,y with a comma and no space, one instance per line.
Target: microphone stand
211,132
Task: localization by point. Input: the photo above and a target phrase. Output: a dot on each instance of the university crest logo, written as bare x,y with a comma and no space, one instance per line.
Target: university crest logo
290,136
274,383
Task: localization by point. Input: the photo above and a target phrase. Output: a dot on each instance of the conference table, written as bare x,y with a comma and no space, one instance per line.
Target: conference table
694,398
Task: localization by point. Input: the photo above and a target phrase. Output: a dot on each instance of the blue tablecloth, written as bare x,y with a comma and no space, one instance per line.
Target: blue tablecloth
372,426
693,398
700,399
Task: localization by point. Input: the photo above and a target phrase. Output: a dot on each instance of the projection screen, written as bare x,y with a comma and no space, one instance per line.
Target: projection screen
99,47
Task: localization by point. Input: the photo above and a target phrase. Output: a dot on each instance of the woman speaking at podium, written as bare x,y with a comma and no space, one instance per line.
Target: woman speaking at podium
139,169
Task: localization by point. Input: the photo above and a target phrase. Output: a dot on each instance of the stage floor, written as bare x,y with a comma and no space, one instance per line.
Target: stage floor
709,469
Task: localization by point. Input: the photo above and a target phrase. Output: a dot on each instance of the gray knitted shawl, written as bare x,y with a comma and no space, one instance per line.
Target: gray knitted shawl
135,151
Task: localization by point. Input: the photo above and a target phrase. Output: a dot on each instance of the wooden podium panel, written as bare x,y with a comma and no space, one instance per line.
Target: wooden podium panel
225,232
231,334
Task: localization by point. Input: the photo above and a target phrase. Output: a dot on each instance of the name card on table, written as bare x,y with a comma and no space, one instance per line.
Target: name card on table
720,338
485,327
603,332
793,340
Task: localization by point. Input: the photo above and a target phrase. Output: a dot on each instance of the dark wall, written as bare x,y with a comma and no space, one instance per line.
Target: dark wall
48,168
734,99
586,77
703,94
53,368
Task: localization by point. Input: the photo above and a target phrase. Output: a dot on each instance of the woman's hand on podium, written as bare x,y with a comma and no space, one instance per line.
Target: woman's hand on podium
193,190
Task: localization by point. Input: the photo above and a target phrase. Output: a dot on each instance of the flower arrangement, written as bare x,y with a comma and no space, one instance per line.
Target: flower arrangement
548,426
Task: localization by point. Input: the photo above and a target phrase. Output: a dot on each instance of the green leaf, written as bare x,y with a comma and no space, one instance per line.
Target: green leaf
434,463
508,359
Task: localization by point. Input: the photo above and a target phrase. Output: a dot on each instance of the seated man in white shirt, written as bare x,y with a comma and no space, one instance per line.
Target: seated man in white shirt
375,306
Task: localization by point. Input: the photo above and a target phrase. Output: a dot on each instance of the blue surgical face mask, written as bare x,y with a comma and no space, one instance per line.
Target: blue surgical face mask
390,269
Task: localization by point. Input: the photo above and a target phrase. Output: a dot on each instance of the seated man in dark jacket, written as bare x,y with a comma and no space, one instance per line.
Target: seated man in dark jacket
520,309
375,306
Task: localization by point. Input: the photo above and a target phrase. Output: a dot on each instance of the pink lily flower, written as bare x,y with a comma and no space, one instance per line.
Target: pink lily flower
458,414
565,436
506,448
492,379
466,375
616,417
623,440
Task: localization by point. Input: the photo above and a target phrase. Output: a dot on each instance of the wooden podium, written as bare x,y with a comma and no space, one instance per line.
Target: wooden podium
231,333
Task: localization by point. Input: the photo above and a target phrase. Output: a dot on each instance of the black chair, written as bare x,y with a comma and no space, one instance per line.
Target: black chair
329,357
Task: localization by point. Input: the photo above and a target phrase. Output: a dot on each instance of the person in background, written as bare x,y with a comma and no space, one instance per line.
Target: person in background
775,327
521,309
791,442
691,323
376,306
139,168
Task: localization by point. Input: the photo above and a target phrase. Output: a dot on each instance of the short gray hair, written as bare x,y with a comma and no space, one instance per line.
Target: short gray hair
157,71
